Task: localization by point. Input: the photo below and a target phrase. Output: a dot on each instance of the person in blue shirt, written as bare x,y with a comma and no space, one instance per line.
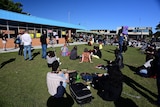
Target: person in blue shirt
120,42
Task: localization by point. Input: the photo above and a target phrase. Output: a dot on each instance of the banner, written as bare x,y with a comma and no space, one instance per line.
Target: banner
63,32
125,30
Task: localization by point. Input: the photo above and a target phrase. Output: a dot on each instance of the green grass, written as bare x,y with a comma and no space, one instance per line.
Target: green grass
23,83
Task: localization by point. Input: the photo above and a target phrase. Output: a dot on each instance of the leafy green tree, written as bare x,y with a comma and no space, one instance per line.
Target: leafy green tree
158,26
157,34
11,6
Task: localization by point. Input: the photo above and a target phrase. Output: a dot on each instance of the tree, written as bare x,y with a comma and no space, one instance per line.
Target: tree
158,26
157,34
11,6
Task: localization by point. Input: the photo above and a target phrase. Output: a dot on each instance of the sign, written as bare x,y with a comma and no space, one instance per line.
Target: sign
63,32
125,30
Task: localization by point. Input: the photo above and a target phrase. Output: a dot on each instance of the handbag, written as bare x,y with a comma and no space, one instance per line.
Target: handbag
17,41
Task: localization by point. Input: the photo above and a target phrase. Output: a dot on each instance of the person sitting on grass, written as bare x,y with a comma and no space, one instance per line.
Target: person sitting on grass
65,50
86,56
73,54
96,52
51,57
109,85
90,43
145,69
100,45
55,78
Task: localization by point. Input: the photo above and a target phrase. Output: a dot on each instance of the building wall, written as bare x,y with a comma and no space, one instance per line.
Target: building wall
35,42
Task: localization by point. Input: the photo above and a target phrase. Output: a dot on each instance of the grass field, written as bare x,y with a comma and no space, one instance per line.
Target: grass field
23,83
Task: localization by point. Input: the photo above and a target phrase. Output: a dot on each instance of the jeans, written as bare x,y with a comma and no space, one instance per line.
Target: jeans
27,48
44,50
120,47
20,52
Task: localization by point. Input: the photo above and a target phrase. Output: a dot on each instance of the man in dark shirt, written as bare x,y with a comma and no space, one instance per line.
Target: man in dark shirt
44,44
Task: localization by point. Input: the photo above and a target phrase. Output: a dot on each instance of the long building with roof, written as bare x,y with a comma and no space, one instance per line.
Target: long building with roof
13,23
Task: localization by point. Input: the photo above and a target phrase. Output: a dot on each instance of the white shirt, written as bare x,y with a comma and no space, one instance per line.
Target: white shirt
26,39
148,63
54,33
50,60
53,81
57,37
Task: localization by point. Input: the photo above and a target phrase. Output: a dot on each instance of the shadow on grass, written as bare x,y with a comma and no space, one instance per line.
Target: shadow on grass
60,102
107,61
124,102
132,68
135,70
139,88
6,62
110,51
35,54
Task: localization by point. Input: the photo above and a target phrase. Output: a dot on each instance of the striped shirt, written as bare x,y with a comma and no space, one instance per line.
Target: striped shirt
53,81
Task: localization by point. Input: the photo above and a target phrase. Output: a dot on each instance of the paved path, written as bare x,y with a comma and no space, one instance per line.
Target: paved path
39,47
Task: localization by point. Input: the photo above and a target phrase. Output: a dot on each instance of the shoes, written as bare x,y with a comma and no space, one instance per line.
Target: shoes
30,59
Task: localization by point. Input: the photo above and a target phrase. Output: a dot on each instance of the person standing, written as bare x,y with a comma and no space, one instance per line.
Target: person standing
27,41
20,52
55,35
43,40
4,41
121,38
57,39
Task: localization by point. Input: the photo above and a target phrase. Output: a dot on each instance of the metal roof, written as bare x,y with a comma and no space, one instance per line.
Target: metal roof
8,15
88,31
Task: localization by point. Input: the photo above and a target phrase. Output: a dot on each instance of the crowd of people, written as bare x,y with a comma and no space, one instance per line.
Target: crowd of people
106,84
113,68
112,82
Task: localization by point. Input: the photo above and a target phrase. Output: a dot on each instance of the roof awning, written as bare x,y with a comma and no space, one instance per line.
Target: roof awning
8,15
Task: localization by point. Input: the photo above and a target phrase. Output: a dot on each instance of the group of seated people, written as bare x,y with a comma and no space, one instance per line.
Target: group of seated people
86,56
109,86
56,80
118,60
148,69
150,52
107,83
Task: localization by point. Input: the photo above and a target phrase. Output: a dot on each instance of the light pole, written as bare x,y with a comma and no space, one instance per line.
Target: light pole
69,17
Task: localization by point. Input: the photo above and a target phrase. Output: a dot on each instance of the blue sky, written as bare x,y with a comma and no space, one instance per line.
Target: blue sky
97,14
